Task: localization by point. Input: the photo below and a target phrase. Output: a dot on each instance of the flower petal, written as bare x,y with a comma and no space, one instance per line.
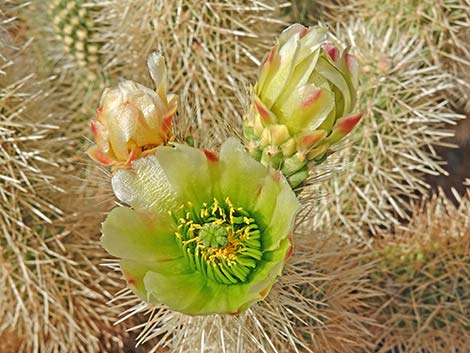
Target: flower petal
307,107
130,235
299,77
311,42
121,121
275,82
343,127
241,176
157,68
181,292
328,69
187,170
266,200
282,219
146,186
135,271
97,155
271,267
230,299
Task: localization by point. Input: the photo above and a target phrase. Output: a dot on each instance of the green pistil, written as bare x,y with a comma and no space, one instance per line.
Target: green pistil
213,235
219,240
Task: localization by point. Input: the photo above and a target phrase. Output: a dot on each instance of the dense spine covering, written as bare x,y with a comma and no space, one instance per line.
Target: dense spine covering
212,49
444,26
406,113
422,274
52,291
73,25
52,296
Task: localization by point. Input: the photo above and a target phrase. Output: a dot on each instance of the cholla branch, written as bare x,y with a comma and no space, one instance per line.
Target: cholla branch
423,275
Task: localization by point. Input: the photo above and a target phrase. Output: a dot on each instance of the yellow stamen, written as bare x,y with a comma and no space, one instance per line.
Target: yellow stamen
215,207
196,239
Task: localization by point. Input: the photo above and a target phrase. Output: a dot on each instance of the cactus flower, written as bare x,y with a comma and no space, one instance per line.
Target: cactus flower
132,120
303,102
206,233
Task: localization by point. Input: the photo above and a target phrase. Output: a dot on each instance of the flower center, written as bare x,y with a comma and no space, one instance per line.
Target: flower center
220,241
213,235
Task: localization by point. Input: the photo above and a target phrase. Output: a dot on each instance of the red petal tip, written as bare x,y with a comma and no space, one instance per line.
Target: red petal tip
96,154
277,175
99,114
310,140
94,129
304,31
264,292
132,156
270,57
263,112
332,51
348,123
290,252
351,61
166,125
211,156
312,98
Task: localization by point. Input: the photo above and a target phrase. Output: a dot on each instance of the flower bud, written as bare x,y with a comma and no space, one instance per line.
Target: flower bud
132,120
308,86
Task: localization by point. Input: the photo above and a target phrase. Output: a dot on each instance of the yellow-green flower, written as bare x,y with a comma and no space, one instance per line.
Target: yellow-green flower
206,233
132,120
303,102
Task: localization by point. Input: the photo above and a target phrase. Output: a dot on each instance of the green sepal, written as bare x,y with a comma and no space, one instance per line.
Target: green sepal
298,178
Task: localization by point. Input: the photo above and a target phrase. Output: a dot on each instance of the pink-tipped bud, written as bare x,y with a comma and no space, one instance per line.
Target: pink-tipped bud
309,86
132,120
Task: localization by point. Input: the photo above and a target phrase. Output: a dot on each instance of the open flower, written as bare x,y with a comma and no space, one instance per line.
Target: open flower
132,120
303,101
207,233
